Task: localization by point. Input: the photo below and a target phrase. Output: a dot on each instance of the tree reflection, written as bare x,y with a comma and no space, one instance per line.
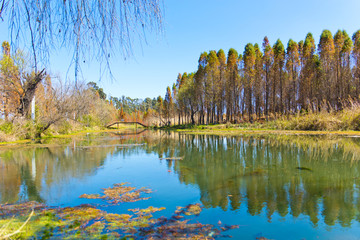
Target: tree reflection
263,173
26,172
317,177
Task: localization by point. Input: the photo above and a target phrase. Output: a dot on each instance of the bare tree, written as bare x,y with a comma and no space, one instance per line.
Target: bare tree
89,27
63,101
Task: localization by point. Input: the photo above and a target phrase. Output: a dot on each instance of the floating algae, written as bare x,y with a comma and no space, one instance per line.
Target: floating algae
119,193
88,222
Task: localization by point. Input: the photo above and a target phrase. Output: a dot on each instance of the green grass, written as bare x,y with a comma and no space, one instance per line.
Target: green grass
241,131
6,127
274,127
24,132
60,136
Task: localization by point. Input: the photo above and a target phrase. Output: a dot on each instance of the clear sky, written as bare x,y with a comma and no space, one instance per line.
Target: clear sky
194,26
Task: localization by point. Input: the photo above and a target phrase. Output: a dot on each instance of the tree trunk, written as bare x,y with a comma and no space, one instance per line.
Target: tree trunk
192,117
29,92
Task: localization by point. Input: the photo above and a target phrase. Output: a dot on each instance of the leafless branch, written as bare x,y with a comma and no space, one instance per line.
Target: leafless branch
93,29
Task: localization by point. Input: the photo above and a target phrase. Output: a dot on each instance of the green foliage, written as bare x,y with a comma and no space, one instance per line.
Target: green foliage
309,45
89,120
279,50
326,45
30,130
325,36
64,127
232,58
221,56
249,54
7,127
131,105
356,39
97,89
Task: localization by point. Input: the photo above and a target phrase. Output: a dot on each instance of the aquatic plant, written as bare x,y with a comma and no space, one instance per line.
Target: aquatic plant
89,222
119,194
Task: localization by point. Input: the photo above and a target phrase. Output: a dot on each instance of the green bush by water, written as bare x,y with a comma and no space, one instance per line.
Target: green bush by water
6,127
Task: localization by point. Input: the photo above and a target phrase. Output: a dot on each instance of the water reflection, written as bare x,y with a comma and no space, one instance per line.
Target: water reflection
287,175
24,172
297,175
284,174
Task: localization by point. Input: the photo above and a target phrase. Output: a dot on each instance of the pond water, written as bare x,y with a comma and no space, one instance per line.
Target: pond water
279,187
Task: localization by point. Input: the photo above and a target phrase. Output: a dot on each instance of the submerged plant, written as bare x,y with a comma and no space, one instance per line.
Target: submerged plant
191,209
119,193
89,222
5,233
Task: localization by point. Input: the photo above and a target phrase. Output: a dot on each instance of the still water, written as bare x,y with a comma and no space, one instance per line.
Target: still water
279,187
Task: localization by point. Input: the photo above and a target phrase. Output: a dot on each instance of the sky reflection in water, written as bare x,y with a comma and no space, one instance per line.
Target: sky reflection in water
280,187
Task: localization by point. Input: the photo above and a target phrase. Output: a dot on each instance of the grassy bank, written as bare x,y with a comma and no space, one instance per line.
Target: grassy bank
322,121
17,134
346,122
235,130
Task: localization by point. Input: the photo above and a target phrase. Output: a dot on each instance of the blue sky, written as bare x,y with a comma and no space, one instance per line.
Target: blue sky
194,26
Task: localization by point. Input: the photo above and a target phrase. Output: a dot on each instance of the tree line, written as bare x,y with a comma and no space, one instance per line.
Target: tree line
267,81
129,105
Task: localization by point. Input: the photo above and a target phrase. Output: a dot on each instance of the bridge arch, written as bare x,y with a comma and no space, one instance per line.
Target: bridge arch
123,122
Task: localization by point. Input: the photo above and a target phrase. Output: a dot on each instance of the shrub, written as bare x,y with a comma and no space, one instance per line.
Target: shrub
6,127
64,127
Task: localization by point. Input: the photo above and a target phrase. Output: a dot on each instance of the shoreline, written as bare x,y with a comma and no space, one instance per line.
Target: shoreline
221,129
33,142
271,132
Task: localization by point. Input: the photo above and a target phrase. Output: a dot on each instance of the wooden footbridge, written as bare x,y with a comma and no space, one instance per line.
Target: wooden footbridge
123,122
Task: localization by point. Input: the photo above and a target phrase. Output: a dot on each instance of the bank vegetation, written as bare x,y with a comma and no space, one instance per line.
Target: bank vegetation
36,104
